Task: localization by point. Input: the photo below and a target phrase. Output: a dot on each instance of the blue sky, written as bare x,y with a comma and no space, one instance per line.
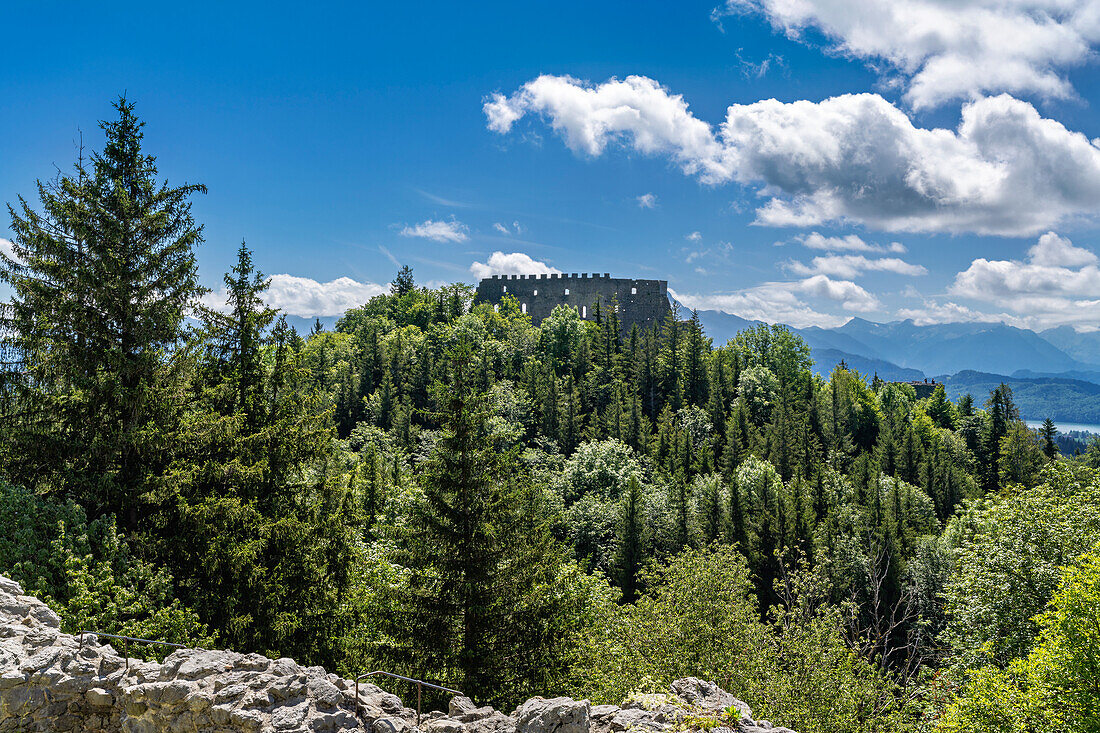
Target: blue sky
887,160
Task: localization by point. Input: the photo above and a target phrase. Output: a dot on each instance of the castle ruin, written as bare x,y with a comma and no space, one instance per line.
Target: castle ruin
641,302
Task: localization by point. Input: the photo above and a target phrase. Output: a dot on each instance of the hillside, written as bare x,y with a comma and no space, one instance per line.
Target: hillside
1059,398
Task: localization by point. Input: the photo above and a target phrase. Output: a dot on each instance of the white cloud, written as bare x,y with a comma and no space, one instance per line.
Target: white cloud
8,249
847,293
847,243
694,237
854,158
308,298
438,231
1058,284
942,50
784,302
501,228
851,266
513,263
1056,251
647,201
932,312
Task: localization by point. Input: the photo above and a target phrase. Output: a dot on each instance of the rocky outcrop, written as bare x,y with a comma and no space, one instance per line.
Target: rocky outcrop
51,681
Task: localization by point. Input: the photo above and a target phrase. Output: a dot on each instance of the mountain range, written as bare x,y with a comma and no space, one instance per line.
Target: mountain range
1053,373
940,349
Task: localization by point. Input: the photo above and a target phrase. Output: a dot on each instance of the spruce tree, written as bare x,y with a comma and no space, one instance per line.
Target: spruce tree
102,280
1047,433
475,550
631,550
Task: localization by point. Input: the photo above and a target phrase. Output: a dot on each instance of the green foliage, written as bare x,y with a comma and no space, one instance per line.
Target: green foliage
698,618
1010,550
86,572
1057,686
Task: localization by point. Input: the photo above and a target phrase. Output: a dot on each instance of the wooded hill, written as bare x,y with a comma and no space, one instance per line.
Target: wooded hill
441,489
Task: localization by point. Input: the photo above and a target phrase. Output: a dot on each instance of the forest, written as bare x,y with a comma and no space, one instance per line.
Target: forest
441,489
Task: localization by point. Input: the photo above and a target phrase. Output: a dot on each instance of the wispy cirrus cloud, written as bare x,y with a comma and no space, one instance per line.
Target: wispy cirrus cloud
854,158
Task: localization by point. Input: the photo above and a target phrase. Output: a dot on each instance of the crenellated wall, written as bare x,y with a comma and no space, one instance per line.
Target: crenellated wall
641,302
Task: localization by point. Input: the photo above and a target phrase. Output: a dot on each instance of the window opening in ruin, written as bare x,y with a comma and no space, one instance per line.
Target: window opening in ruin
584,311
523,308
536,291
567,291
634,291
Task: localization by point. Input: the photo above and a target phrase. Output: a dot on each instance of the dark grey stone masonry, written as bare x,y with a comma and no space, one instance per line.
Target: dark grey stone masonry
643,302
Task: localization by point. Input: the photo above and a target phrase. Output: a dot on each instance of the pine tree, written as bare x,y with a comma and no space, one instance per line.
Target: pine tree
1047,433
476,552
669,362
237,337
695,362
679,500
631,550
102,279
711,519
403,284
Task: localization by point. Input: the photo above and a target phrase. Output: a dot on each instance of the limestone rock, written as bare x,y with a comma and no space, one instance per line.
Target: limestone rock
496,722
707,696
556,715
50,681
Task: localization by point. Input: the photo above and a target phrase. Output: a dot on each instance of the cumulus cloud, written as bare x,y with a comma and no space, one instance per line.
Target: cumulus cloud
851,266
647,201
693,237
940,51
1057,284
306,297
1054,251
438,231
854,158
512,263
785,302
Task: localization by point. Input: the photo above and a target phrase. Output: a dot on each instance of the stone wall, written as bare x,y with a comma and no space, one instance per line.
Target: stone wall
641,302
50,681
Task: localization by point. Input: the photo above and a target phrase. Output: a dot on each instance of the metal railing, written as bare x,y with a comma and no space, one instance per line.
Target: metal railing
420,685
126,643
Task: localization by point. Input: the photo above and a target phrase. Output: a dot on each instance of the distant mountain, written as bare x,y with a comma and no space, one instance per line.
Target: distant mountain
1084,346
953,347
304,325
1085,376
826,359
1059,398
719,326
828,348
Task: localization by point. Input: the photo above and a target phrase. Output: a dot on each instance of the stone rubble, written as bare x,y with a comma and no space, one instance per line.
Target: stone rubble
50,682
